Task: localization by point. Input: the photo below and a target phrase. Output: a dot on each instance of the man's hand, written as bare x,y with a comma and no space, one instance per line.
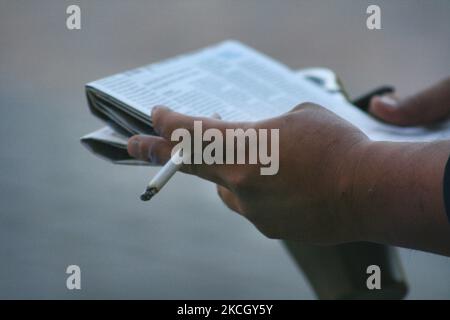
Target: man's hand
333,185
303,201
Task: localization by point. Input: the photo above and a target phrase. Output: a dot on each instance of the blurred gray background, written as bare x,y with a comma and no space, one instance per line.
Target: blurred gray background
60,205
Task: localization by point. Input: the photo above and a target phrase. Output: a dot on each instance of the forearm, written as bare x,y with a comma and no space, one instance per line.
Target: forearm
397,195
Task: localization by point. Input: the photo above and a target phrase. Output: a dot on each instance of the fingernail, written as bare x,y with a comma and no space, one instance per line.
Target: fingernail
158,107
389,102
133,148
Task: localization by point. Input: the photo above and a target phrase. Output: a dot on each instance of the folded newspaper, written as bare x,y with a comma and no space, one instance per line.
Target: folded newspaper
229,79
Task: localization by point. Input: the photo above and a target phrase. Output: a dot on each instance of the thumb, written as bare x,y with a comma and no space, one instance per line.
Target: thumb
389,109
425,108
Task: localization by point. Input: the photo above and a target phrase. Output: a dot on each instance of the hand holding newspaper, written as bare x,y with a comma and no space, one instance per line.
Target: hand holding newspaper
111,145
229,79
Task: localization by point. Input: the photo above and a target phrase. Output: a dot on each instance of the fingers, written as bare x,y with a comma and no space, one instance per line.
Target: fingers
149,148
158,151
424,108
165,121
229,198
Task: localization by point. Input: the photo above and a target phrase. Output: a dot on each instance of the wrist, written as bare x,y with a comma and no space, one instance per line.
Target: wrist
369,185
396,193
349,180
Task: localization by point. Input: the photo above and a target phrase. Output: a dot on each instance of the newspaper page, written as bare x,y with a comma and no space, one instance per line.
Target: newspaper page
239,84
110,144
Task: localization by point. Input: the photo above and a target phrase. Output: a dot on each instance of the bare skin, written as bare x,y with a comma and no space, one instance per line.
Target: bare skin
334,184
